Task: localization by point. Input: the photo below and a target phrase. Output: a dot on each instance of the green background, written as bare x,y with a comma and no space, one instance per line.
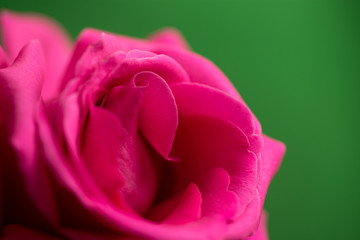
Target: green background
296,64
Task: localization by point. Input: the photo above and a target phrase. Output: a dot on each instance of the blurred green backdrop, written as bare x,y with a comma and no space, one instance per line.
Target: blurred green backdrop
297,65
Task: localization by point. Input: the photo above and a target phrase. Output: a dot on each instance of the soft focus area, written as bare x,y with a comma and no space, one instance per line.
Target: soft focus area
295,63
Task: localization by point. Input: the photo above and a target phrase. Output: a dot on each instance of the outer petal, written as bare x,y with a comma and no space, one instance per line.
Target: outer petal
200,69
200,99
15,232
261,233
87,37
272,154
169,36
25,179
18,29
4,59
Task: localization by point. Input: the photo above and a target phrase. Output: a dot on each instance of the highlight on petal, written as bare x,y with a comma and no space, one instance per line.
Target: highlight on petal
18,29
169,36
134,159
101,140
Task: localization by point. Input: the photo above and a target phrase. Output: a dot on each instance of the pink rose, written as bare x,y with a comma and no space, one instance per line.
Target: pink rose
121,138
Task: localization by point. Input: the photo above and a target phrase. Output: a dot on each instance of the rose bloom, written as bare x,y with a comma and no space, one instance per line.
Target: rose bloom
115,137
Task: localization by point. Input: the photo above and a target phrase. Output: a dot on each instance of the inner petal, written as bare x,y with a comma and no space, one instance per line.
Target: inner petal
158,118
203,143
134,158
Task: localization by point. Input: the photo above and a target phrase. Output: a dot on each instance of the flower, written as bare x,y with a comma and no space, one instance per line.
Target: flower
121,138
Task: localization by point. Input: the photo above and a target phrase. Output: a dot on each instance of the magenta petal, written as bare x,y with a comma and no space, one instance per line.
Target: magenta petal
19,29
101,141
4,59
261,233
199,99
158,117
20,86
138,61
134,159
169,36
200,146
71,123
98,40
200,69
16,232
247,222
87,37
271,154
217,199
188,208
124,102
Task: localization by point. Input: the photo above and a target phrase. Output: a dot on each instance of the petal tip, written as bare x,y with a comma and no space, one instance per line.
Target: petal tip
169,35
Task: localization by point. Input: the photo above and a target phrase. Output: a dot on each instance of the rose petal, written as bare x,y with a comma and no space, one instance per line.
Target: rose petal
134,159
158,117
18,29
261,233
188,208
125,103
100,151
169,36
4,59
21,86
199,99
26,182
200,146
247,223
209,75
87,209
72,173
71,123
271,155
86,37
15,232
162,65
104,44
216,197
107,62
